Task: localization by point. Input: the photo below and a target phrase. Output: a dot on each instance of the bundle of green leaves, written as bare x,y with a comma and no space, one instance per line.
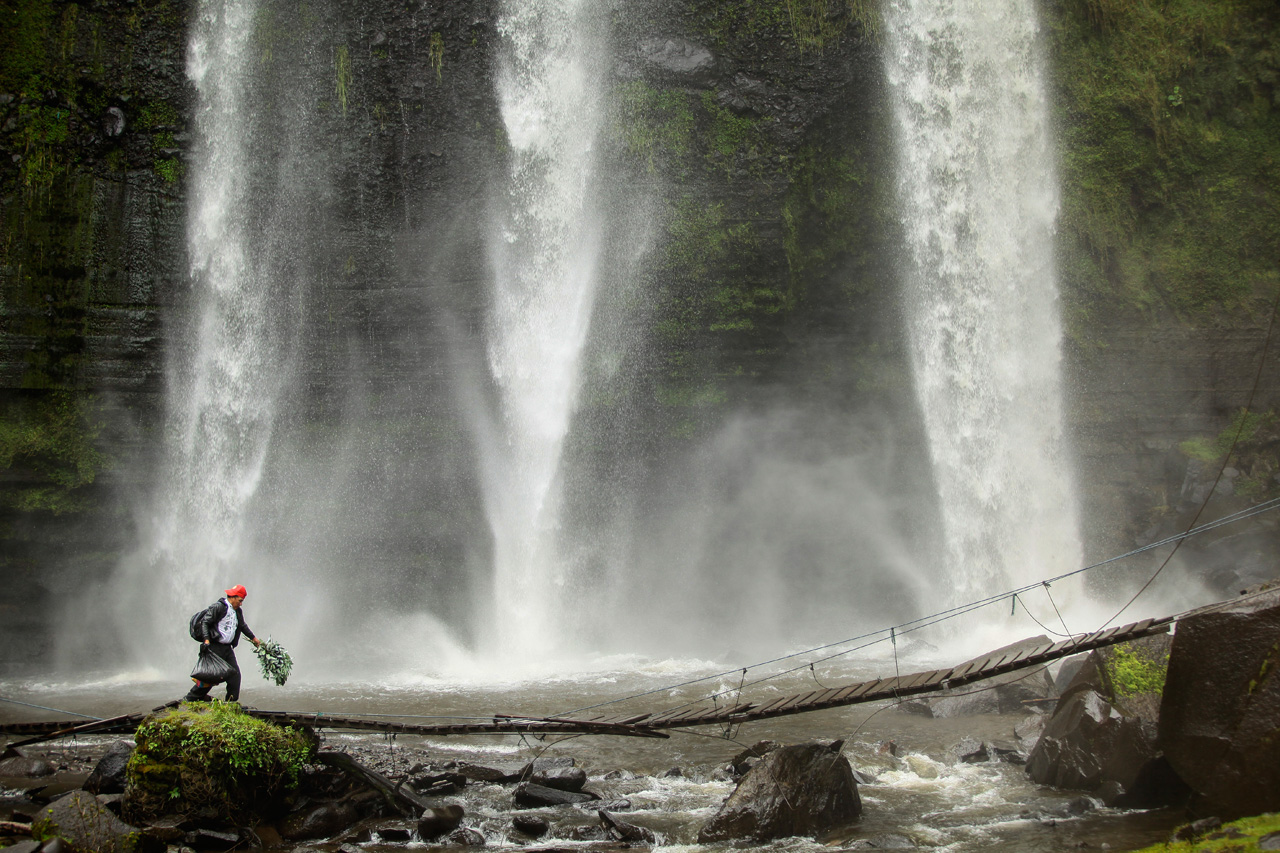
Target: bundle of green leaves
274,661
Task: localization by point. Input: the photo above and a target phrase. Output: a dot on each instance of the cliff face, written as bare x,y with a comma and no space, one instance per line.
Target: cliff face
749,161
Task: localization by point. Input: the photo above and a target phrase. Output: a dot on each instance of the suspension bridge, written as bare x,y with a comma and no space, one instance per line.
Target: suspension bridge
709,712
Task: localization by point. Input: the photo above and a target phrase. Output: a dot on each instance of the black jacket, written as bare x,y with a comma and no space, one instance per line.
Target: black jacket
213,615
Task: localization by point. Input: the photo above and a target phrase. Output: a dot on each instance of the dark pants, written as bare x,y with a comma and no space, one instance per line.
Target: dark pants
200,691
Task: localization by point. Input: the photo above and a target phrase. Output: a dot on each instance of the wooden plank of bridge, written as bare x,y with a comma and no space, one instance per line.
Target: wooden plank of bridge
825,697
918,679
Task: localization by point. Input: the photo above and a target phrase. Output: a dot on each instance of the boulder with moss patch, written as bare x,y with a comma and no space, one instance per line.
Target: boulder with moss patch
216,762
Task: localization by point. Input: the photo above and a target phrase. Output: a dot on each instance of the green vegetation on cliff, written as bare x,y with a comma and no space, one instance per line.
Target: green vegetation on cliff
48,452
1249,445
1238,836
1169,119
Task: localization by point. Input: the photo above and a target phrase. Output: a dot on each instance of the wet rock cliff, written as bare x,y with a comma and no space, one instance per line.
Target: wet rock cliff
749,158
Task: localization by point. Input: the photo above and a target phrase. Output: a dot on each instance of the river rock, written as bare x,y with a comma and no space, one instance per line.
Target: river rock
390,831
529,795
465,836
108,775
1221,706
750,757
798,790
531,825
559,777
623,831
490,772
320,821
438,784
439,821
169,828
21,767
88,825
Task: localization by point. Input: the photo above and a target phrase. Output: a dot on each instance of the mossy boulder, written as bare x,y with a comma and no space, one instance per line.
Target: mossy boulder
214,761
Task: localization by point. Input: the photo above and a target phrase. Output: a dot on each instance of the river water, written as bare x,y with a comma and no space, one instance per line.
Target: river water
922,793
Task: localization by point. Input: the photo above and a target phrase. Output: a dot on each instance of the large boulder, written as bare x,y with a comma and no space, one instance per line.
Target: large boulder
82,819
798,790
211,759
1221,706
1090,743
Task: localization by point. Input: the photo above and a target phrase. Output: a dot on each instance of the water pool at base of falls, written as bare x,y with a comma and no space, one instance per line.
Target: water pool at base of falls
921,790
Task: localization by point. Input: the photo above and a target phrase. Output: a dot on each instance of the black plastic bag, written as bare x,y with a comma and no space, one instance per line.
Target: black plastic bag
210,668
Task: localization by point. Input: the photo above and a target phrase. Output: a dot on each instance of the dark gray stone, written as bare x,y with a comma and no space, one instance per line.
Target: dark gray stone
21,767
440,821
529,795
531,825
321,821
1221,706
795,790
391,831
108,776
88,825
466,837
562,778
623,831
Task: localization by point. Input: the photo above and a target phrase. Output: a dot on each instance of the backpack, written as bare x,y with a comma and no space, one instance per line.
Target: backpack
194,628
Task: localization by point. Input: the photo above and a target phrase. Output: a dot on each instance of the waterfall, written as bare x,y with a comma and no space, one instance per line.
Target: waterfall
979,198
544,253
226,370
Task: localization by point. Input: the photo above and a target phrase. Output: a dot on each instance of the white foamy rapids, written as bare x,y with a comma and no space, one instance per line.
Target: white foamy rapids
979,199
224,387
544,250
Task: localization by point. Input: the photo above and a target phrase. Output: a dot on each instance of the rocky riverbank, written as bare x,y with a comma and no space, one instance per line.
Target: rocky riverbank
1177,724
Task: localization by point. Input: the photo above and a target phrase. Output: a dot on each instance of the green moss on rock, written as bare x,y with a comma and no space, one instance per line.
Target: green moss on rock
1239,836
214,757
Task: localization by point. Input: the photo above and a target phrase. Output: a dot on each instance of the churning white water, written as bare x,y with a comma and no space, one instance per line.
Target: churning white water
225,376
979,198
544,252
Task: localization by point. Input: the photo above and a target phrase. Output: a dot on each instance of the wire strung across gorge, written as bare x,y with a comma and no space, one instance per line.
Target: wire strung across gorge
882,635
54,710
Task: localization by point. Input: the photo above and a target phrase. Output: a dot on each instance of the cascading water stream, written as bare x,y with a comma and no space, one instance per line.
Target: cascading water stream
979,199
544,252
225,380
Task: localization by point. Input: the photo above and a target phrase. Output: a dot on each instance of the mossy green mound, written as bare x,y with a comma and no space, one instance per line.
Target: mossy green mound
1241,836
214,761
